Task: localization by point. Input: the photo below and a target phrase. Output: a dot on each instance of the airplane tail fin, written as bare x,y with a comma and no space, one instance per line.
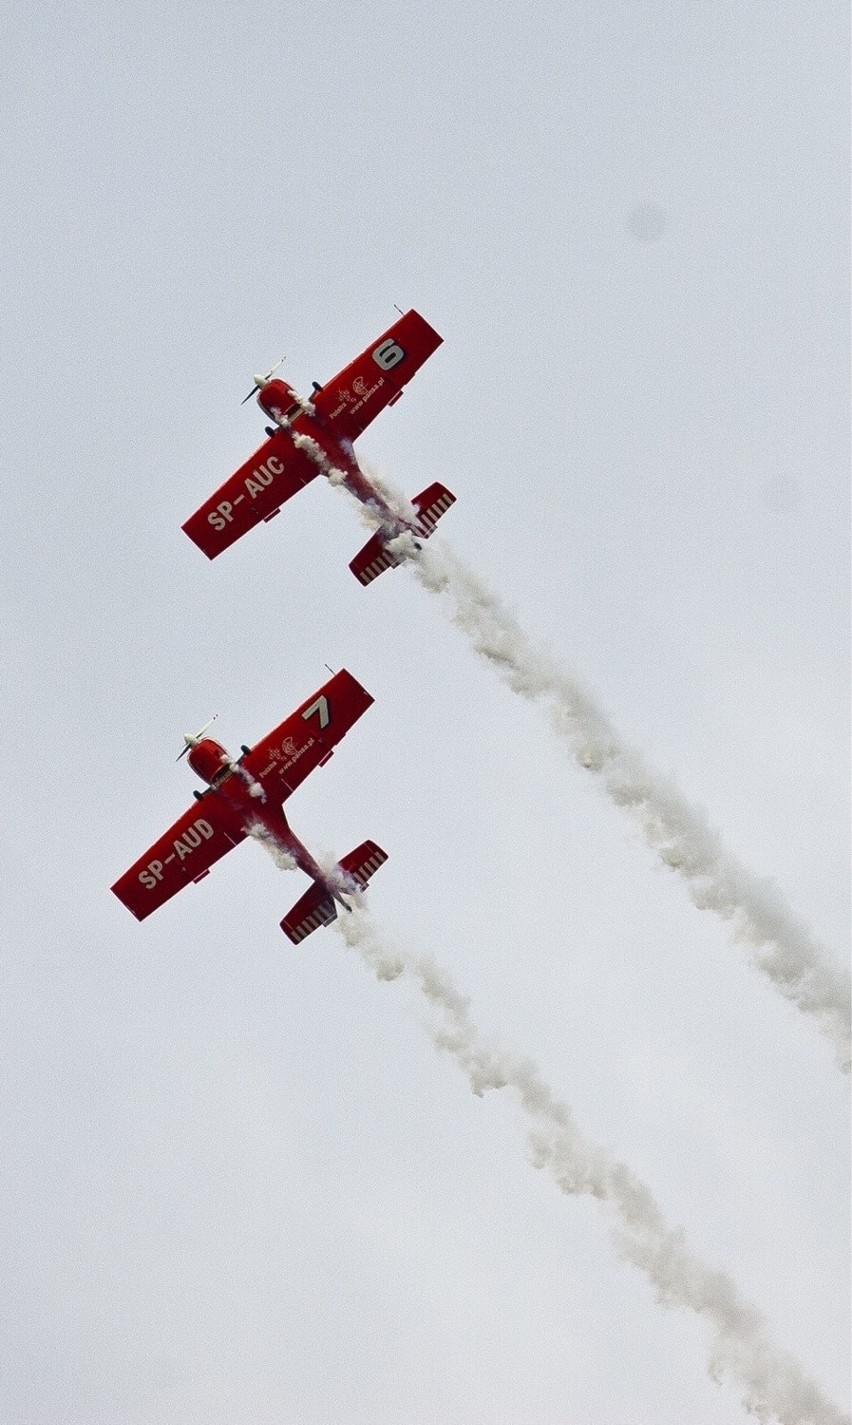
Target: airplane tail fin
317,907
375,557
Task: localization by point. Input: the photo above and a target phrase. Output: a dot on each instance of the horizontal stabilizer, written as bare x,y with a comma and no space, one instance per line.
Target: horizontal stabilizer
316,908
430,505
363,862
373,559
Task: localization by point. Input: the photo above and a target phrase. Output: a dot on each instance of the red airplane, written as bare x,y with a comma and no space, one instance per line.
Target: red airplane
312,437
244,798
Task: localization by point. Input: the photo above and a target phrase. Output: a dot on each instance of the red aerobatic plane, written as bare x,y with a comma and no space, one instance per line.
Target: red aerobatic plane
315,437
244,798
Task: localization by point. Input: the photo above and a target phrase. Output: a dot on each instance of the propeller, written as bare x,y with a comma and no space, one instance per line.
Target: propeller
193,741
260,381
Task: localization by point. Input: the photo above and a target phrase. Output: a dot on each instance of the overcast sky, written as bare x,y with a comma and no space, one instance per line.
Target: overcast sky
239,1185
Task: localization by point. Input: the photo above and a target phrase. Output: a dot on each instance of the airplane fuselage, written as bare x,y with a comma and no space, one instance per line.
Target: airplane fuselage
334,457
316,435
251,810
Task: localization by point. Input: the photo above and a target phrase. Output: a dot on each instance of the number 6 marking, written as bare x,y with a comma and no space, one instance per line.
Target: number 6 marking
321,707
388,354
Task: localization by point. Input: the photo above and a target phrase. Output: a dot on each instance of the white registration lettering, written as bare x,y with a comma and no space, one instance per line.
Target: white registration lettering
152,874
186,844
183,846
263,475
224,512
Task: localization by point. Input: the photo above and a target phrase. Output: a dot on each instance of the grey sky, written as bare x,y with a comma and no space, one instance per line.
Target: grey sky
240,1186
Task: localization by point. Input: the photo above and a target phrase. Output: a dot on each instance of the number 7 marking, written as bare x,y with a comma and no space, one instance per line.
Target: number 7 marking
321,707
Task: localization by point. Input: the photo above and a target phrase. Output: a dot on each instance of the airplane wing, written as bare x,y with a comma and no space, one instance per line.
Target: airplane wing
282,760
185,853
375,378
255,492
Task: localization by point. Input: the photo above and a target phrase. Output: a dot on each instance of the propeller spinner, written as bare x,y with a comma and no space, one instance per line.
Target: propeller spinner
193,740
261,381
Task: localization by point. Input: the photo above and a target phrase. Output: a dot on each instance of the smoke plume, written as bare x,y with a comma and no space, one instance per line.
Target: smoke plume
773,1386
777,942
280,855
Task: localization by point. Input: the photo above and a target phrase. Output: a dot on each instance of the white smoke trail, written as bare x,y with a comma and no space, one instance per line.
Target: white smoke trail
394,498
255,789
316,453
280,855
779,944
339,878
370,513
773,1386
